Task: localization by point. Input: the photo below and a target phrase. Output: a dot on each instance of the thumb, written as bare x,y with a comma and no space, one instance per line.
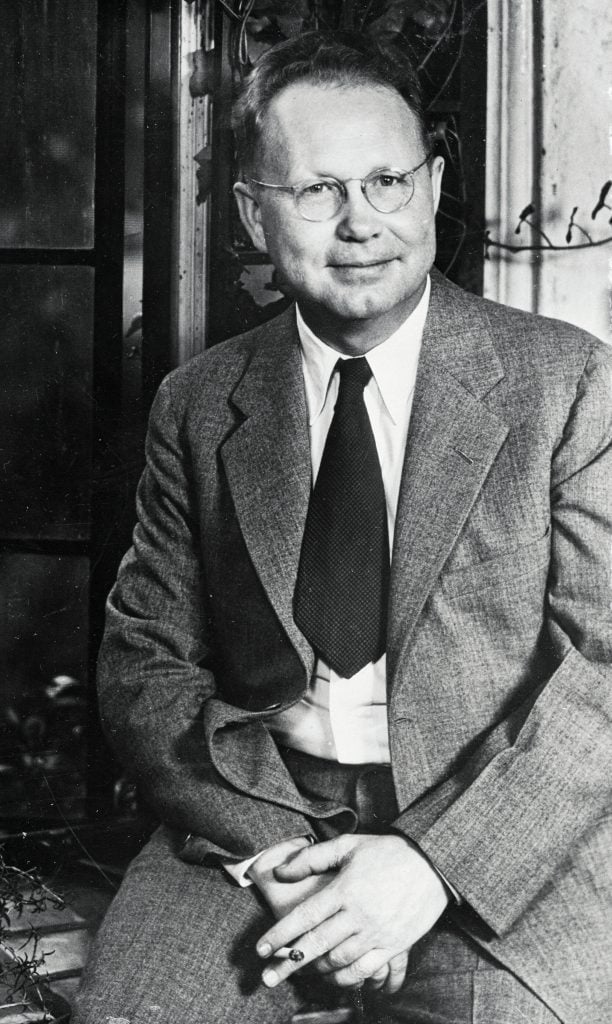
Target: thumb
314,860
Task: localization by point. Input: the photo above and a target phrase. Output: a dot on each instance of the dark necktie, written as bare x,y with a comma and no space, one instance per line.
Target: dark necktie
343,576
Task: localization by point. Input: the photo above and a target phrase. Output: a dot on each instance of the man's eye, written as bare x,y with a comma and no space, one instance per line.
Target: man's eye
387,180
318,188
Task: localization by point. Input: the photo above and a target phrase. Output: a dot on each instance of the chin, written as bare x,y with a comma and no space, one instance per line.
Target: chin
368,307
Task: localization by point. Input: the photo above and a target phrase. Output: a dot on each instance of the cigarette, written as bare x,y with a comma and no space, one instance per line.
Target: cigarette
288,953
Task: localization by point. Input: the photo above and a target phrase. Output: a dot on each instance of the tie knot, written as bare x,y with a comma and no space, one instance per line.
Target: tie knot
354,374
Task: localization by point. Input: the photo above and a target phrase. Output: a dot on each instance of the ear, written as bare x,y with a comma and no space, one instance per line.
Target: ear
250,215
437,170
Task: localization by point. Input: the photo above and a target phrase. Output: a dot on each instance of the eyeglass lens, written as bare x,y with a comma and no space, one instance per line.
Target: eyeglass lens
386,192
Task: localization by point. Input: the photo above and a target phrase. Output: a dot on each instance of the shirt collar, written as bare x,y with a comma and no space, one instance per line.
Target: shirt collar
393,362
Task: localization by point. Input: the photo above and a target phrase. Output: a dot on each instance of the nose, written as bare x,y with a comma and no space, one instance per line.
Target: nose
358,220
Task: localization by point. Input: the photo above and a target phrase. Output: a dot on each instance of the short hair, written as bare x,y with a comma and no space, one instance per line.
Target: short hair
320,58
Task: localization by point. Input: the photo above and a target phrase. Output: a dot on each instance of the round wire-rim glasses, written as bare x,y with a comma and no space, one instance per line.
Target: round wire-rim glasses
387,190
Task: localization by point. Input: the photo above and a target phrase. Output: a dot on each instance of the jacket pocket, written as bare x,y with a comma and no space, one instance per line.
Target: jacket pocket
500,570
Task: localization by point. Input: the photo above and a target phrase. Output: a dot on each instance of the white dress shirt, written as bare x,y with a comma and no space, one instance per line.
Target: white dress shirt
339,719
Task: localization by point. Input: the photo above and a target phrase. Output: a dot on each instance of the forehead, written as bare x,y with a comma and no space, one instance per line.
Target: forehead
342,130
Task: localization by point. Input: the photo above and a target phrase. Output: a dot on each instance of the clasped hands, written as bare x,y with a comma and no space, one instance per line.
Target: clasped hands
354,906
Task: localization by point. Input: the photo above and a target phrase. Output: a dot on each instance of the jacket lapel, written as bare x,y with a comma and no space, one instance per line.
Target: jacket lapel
267,461
452,441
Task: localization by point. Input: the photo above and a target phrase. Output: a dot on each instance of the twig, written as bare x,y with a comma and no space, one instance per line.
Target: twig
574,224
228,10
443,35
525,217
491,243
76,838
36,882
455,65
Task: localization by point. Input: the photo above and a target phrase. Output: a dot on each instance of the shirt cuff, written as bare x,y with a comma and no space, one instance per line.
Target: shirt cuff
238,869
451,888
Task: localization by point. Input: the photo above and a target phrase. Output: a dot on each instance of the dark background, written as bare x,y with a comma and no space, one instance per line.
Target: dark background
87,198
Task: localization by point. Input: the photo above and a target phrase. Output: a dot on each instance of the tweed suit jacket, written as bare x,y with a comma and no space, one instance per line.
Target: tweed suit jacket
499,638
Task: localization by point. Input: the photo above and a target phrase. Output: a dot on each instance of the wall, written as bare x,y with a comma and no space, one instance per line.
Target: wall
549,138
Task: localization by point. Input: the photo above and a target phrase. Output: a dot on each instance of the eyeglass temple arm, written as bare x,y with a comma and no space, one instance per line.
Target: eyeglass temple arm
267,184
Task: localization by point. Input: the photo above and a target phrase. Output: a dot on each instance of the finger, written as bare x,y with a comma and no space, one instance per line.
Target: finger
306,949
378,979
314,860
360,970
342,955
398,966
304,918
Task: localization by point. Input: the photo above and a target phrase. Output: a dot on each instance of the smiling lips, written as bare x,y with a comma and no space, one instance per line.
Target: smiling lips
361,266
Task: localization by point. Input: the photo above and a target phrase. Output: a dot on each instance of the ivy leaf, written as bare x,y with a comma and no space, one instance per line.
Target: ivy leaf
523,216
601,202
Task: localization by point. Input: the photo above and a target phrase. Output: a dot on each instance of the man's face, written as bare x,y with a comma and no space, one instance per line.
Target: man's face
359,275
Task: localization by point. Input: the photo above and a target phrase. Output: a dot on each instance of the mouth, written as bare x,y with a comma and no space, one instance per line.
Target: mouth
361,264
360,270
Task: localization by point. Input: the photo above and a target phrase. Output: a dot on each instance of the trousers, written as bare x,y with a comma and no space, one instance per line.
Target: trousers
177,945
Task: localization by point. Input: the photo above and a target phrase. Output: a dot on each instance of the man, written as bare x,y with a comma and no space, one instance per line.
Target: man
359,656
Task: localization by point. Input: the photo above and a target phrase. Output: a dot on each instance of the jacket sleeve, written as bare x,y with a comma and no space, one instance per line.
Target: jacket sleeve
155,667
501,827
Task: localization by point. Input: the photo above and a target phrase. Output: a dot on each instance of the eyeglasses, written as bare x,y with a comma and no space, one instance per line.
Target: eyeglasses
386,189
